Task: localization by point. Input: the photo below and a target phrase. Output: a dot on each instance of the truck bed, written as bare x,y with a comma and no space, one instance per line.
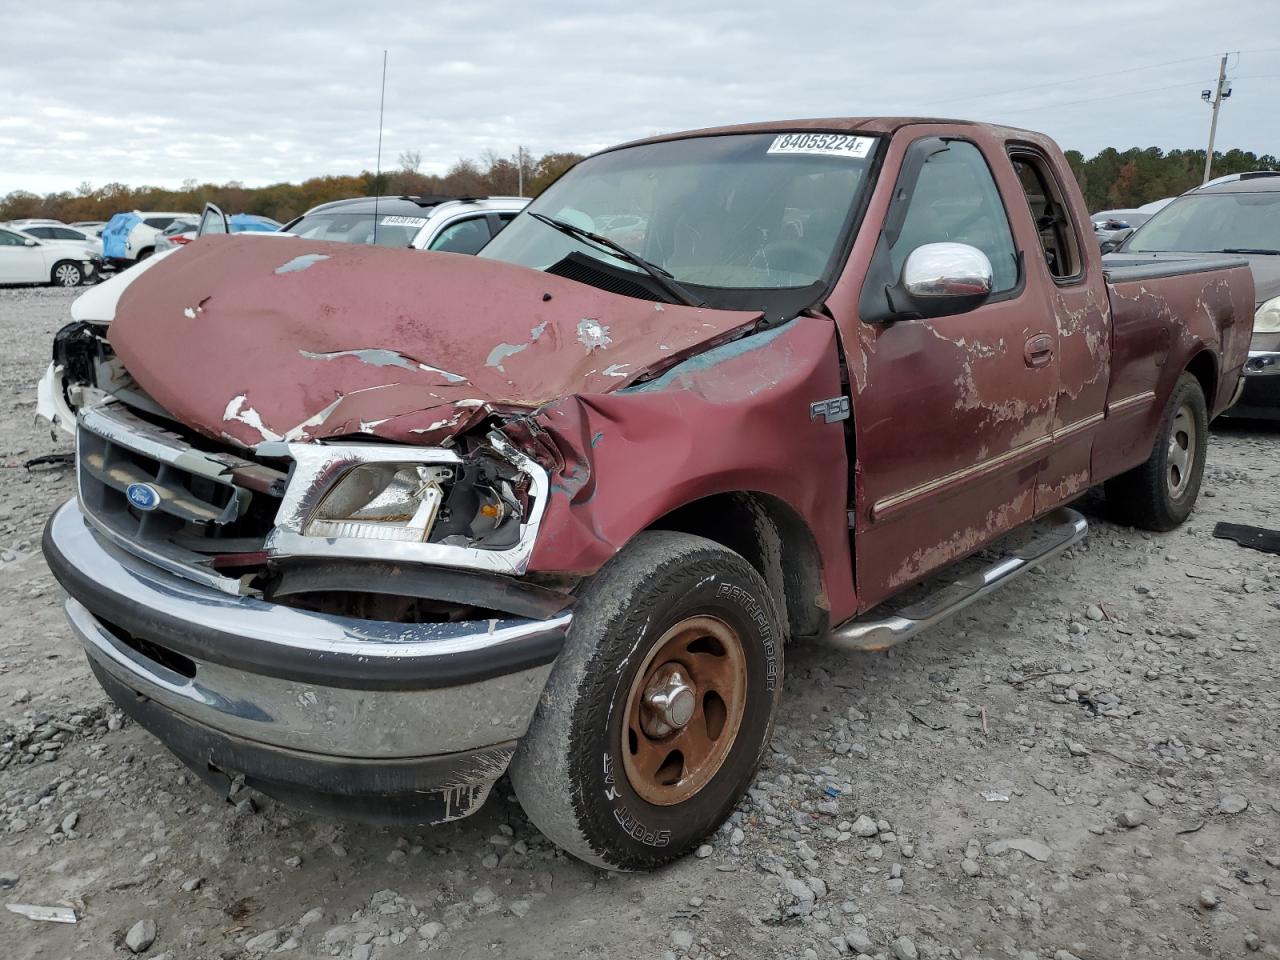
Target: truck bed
1131,267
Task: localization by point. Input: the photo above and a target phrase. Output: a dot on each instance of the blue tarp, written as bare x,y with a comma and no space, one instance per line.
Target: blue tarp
250,223
115,234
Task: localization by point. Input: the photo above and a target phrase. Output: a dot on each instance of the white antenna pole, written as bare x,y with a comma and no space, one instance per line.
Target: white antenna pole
377,176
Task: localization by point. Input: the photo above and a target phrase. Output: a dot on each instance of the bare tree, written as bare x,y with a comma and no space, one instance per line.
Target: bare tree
410,160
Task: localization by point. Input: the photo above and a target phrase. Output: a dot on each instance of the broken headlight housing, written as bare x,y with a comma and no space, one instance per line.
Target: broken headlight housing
382,501
376,501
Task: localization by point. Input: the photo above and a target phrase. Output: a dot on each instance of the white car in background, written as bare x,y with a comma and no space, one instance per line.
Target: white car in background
91,227
130,237
55,231
25,259
447,224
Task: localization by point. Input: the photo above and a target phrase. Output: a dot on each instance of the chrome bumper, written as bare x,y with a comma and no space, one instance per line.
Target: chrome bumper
1262,363
311,685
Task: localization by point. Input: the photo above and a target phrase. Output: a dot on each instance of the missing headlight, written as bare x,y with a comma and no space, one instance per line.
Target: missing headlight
484,507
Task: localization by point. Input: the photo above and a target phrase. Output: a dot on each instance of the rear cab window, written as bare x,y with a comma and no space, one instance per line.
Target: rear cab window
1059,238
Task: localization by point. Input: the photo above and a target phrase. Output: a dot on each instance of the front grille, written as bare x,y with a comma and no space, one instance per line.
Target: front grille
207,502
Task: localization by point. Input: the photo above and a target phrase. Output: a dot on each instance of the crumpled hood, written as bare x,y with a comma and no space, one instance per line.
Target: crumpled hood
302,339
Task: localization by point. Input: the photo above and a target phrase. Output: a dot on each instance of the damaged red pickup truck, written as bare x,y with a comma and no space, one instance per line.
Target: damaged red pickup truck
366,528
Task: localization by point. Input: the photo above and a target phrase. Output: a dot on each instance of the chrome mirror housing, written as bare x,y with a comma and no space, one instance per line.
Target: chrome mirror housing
950,271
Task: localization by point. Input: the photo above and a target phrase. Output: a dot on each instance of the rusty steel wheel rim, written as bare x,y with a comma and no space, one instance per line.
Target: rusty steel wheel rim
684,710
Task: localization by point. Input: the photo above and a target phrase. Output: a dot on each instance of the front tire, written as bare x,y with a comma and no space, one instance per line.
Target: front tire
658,711
1159,494
66,274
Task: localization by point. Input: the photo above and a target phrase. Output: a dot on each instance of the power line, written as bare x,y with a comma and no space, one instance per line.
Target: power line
1058,83
1110,96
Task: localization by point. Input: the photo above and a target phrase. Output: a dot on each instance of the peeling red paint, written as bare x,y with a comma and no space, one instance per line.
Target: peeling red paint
299,339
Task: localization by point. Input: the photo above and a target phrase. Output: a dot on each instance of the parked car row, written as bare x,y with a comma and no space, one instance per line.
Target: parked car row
89,249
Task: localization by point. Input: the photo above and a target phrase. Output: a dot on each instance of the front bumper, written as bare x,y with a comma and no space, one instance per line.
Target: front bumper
1260,393
350,717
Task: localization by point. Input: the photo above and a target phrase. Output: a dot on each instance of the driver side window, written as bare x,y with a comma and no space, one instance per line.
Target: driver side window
956,200
8,239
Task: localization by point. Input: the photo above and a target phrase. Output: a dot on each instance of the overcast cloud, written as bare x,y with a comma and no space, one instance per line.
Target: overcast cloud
145,92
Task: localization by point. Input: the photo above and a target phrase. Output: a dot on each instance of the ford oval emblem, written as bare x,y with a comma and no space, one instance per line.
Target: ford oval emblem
143,496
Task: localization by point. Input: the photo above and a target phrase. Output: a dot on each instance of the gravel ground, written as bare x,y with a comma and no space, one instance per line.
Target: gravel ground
1084,765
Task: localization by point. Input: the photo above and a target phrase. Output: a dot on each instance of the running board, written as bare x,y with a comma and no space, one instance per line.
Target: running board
1068,528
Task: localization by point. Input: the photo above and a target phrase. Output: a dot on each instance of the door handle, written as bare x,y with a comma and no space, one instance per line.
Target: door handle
1038,351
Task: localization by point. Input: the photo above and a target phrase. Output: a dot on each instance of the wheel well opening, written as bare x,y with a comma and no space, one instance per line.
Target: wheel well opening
773,538
1205,370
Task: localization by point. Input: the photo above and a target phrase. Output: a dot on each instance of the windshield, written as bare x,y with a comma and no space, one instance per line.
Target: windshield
740,212
393,231
1212,223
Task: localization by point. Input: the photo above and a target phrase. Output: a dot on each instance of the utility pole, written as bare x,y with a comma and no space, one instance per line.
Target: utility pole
520,168
1220,93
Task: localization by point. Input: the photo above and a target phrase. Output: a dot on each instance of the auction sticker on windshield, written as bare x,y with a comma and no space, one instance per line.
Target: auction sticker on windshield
403,222
823,144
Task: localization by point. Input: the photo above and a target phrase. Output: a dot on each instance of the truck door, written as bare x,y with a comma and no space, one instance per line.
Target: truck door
1081,319
952,415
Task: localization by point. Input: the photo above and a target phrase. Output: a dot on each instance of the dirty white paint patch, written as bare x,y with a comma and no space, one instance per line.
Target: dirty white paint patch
300,431
439,424
502,352
303,262
237,411
375,357
616,370
190,314
593,334
382,357
451,377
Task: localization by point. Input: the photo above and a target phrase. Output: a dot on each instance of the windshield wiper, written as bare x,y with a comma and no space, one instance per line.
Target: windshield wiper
1258,250
664,280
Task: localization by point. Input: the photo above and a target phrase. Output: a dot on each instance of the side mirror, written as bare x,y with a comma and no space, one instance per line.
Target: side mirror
28,242
940,279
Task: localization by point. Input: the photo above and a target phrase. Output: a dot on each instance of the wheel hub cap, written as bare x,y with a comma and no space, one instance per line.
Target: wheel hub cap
669,701
1182,452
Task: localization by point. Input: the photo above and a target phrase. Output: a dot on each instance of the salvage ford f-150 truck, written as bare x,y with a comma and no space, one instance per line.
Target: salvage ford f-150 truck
366,528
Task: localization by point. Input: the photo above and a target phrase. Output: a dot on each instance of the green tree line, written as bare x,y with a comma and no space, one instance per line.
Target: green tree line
1111,179
1122,179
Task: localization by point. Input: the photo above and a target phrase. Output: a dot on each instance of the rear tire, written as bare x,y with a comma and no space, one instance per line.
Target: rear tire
1159,494
658,711
66,274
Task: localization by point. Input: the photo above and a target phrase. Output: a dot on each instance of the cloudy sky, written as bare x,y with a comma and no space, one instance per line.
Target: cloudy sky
261,91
